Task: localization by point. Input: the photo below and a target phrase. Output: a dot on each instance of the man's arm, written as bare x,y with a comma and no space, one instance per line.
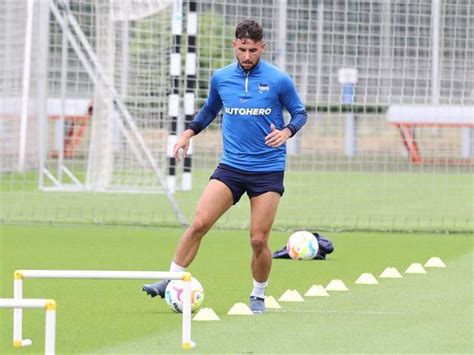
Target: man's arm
276,137
203,118
209,111
182,144
292,102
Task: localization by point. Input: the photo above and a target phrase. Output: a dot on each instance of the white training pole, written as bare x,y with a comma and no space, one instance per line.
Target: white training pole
50,324
187,342
50,328
100,274
18,340
19,275
25,85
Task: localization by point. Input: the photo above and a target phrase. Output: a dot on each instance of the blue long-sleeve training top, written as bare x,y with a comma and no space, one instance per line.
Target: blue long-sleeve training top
251,101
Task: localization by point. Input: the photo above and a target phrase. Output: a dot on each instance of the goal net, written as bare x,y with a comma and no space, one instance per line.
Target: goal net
388,87
120,77
100,110
349,167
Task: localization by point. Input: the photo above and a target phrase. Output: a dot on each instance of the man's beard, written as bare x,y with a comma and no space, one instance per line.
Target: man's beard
250,68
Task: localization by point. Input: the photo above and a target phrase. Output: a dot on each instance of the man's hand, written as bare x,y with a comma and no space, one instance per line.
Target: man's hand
276,137
181,147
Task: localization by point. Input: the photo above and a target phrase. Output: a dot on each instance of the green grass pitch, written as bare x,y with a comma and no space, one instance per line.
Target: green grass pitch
336,200
430,313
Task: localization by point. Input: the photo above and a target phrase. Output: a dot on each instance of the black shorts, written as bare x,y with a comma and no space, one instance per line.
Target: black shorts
239,181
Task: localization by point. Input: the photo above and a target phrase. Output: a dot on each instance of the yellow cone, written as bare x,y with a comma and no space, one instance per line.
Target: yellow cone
239,309
316,291
435,262
415,268
390,273
205,314
271,302
291,296
336,285
366,279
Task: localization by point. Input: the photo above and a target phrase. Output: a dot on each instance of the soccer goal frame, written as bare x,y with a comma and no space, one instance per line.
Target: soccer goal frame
121,117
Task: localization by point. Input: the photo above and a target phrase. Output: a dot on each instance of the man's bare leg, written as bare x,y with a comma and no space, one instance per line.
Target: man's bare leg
263,210
215,200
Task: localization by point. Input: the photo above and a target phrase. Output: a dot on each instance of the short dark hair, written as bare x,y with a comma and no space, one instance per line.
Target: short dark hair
249,29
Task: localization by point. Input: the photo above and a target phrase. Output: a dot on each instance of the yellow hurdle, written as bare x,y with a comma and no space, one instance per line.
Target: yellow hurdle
50,325
20,275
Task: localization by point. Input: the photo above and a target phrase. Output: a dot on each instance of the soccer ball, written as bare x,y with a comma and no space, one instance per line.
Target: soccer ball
174,294
302,245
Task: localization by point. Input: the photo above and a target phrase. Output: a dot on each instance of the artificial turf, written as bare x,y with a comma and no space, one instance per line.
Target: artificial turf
429,313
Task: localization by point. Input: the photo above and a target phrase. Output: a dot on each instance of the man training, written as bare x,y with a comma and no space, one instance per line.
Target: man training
252,95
